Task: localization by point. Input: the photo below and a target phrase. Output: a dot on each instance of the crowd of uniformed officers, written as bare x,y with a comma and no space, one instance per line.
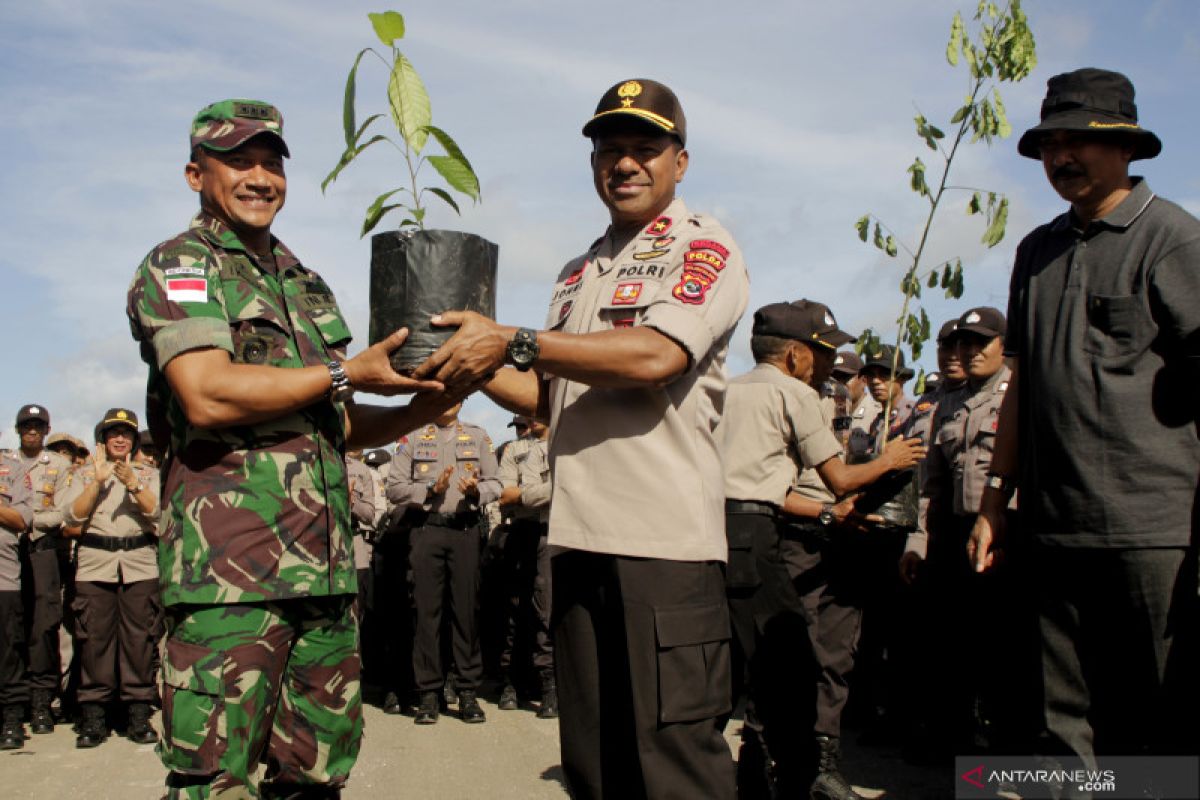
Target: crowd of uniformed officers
80,610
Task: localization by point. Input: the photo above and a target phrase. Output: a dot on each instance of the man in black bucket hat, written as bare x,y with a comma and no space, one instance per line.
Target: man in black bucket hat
1098,431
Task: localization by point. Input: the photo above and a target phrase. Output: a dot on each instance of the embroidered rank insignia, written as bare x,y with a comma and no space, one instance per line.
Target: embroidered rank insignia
709,244
649,254
704,257
923,407
187,290
575,276
423,468
659,226
469,466
626,294
464,437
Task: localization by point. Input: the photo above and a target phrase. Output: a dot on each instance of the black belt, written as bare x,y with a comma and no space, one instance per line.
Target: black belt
458,522
115,544
749,507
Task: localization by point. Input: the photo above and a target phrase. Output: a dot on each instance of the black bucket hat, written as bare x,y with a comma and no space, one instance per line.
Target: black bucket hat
1091,100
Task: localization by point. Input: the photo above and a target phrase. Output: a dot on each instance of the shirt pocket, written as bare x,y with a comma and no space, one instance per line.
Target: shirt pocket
424,465
467,456
261,337
1117,325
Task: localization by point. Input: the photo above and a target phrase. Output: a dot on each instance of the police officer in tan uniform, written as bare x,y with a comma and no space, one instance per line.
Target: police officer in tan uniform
16,514
362,516
48,475
525,475
117,611
445,471
774,426
962,708
863,408
630,374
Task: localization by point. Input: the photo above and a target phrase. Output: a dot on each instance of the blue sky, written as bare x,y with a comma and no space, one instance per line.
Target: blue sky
799,118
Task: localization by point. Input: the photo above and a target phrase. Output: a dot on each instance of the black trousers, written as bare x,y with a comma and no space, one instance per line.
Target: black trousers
14,689
642,659
1118,630
117,627
394,611
527,589
445,565
42,589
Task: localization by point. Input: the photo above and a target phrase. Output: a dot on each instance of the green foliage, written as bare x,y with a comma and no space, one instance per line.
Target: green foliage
410,112
998,47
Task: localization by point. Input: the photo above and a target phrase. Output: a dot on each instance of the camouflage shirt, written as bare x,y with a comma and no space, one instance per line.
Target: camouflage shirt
250,512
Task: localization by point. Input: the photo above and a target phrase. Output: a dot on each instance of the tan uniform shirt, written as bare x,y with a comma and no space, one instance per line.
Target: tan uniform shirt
526,465
422,455
48,475
362,508
15,494
638,472
116,514
773,427
964,438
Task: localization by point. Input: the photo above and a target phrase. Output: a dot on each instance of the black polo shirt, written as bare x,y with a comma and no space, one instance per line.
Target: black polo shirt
1104,322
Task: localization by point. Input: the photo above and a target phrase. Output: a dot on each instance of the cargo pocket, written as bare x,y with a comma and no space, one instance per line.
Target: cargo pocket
193,708
742,570
693,662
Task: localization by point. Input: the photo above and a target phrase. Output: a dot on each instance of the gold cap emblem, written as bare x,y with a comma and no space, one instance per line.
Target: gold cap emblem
629,89
121,415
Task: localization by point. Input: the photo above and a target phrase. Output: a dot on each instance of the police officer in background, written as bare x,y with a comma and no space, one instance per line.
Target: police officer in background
774,426
16,514
116,606
48,475
525,476
369,631
446,471
362,517
862,405
950,378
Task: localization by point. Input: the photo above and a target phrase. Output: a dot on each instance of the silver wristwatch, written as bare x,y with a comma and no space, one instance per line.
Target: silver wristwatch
340,389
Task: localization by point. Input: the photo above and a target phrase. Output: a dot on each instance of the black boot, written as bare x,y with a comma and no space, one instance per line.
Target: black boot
508,697
829,783
139,729
549,707
391,703
427,710
92,727
12,733
40,718
468,706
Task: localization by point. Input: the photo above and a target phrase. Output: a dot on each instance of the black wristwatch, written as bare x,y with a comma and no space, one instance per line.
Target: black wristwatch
826,516
340,389
523,349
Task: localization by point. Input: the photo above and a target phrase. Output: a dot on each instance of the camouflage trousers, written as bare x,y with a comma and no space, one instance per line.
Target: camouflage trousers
276,683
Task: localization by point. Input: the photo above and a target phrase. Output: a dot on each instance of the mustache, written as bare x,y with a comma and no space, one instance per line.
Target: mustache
1067,171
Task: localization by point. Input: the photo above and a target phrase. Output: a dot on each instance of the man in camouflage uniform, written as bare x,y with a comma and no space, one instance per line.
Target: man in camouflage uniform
47,475
16,513
250,402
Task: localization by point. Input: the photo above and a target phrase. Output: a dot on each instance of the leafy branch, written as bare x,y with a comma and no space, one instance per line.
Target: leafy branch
1001,49
411,115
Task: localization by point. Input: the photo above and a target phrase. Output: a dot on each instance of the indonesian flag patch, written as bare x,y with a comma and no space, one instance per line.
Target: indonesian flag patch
626,294
187,290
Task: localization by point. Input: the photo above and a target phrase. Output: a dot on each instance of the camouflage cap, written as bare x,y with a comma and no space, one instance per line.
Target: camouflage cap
229,124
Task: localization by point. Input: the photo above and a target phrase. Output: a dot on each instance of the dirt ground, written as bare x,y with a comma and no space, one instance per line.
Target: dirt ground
514,755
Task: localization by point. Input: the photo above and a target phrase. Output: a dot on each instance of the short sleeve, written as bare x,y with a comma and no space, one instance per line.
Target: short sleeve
1175,285
176,302
812,433
704,293
507,473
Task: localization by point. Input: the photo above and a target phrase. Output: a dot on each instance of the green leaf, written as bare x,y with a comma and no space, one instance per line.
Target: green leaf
889,246
409,103
458,174
919,386
877,237
947,273
457,171
363,128
442,193
933,280
349,156
862,226
956,37
961,114
995,231
389,26
1003,129
376,211
936,132
917,181
348,100
973,206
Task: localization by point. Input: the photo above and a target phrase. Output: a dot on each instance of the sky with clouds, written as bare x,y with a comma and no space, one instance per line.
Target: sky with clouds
799,120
